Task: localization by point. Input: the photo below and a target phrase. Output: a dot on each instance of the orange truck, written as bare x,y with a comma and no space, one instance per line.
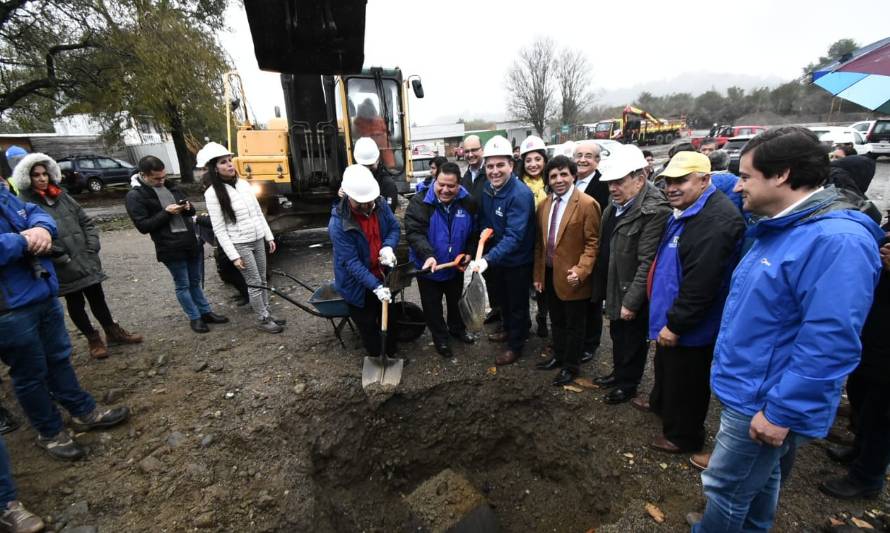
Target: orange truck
640,127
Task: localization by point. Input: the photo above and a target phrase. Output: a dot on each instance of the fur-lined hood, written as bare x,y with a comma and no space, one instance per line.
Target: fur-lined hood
21,174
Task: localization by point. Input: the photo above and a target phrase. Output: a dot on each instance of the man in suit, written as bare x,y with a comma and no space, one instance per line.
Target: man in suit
566,245
587,156
474,178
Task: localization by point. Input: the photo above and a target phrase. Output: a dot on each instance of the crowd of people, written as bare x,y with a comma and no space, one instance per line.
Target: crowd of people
766,289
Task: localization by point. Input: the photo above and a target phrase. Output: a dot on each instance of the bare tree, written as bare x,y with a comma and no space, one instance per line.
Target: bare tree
573,80
531,83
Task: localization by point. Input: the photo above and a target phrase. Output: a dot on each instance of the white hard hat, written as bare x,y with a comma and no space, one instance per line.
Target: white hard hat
366,151
210,151
359,184
498,146
623,160
530,144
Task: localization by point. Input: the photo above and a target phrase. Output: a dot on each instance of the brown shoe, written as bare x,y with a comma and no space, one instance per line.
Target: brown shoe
700,460
17,519
507,358
98,350
663,445
640,403
500,336
118,335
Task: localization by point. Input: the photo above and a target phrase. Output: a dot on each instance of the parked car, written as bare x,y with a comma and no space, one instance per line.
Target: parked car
727,132
878,136
420,166
862,126
846,135
94,172
733,147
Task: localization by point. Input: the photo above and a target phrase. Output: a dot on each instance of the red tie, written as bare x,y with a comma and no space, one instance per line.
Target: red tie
551,234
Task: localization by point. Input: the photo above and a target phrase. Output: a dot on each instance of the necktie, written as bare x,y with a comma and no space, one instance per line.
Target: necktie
551,234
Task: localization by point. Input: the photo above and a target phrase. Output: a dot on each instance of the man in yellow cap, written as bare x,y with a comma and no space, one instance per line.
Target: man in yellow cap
687,287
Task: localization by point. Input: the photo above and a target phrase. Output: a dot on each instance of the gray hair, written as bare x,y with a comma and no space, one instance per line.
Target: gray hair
719,160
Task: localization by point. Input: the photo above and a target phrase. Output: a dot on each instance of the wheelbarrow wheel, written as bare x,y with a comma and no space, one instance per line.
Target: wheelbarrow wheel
409,318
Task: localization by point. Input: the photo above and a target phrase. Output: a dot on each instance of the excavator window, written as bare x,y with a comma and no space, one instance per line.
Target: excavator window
377,118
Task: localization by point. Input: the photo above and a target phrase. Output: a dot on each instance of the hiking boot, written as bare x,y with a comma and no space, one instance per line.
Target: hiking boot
61,446
268,326
100,419
8,422
98,350
118,335
17,519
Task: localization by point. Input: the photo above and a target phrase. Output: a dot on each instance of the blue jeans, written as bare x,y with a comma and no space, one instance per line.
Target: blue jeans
7,486
35,345
187,276
743,478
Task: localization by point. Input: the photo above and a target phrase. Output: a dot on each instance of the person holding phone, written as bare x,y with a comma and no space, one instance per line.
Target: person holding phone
159,208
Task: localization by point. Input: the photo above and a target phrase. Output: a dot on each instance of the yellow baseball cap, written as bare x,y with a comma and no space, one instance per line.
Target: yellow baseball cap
685,163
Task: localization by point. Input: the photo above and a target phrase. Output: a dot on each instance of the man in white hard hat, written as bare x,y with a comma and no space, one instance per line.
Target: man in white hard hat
508,207
474,178
631,229
364,233
587,155
367,153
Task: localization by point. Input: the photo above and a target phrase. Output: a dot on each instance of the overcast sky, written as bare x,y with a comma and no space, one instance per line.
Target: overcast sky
462,49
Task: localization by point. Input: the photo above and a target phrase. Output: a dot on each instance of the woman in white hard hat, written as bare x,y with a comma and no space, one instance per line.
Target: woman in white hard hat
364,232
240,228
532,160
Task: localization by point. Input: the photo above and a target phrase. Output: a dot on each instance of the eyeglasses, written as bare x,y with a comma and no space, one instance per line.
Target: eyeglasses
477,149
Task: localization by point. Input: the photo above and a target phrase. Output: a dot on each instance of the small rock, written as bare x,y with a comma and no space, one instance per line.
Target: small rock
150,464
299,388
204,520
175,439
200,366
112,396
230,395
66,490
207,440
216,367
162,359
77,509
152,373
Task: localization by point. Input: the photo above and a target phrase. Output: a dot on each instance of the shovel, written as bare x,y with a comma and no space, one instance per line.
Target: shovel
475,298
401,276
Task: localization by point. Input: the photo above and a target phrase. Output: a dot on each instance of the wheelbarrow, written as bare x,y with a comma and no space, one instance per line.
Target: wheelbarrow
325,303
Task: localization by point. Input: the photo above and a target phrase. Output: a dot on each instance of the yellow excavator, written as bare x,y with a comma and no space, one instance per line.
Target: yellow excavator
294,164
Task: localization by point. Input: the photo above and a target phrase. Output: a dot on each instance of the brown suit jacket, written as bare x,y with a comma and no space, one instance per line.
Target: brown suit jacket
577,244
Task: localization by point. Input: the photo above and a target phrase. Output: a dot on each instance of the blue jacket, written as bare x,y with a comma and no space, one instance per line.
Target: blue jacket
432,231
352,257
18,285
725,181
692,268
796,305
510,213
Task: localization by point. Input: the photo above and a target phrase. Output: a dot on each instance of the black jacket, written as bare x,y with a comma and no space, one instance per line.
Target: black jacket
388,188
474,187
599,191
875,363
149,216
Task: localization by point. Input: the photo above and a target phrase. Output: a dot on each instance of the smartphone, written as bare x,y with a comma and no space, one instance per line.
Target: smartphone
182,202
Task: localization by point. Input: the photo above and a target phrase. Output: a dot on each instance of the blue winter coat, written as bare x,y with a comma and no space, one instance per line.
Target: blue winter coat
352,257
510,213
725,181
18,284
695,259
433,231
796,305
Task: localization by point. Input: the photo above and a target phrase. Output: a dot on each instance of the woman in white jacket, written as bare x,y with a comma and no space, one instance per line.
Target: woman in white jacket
241,229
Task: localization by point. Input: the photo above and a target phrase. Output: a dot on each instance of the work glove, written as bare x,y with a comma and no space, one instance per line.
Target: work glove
383,294
387,257
479,266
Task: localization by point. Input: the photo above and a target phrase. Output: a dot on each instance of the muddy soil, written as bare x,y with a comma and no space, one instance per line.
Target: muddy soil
242,431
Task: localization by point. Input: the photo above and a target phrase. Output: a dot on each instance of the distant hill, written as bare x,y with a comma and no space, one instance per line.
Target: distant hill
689,82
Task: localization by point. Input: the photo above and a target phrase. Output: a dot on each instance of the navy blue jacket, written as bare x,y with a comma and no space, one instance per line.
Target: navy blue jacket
510,212
434,232
692,268
352,257
18,284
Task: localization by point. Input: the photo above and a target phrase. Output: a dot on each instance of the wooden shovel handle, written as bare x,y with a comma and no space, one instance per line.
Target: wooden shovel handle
384,317
457,261
484,236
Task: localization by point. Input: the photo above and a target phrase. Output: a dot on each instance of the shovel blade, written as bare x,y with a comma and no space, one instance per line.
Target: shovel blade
473,303
376,370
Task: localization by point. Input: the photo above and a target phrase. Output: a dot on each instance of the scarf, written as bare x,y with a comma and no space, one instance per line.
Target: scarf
52,191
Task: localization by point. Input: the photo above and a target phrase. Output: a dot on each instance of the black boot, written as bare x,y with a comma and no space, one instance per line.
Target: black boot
8,422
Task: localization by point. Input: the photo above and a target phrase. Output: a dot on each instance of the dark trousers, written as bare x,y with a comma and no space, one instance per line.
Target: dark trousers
367,320
541,314
630,348
76,303
493,301
593,328
510,285
431,293
681,393
568,318
870,401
